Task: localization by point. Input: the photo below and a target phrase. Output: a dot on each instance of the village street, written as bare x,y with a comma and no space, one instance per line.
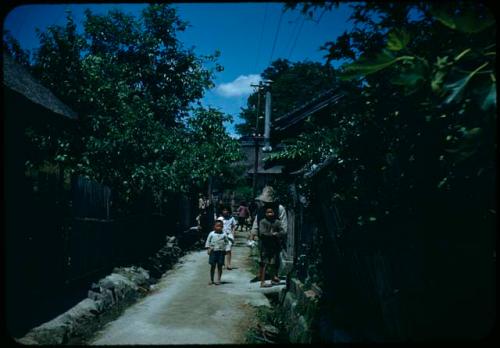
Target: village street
183,309
356,141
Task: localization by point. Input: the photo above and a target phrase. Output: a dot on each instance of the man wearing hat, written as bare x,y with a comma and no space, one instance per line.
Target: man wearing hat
267,200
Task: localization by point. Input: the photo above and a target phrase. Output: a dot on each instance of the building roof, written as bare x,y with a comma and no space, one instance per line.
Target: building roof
17,78
272,170
317,103
308,172
316,168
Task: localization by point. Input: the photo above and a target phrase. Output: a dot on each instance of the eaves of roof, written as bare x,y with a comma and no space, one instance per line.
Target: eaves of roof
18,79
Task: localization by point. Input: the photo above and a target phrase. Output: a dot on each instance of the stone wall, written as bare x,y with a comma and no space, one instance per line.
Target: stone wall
300,306
121,288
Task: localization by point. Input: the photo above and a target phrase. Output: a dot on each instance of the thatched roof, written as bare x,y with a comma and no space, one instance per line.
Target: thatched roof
17,78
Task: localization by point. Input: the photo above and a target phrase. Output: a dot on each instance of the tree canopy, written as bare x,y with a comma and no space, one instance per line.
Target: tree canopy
417,131
292,84
135,89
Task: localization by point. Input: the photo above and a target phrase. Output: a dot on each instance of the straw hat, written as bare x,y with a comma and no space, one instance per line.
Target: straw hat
267,195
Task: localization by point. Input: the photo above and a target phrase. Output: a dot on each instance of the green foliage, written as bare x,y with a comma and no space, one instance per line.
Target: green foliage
466,20
414,134
12,48
243,192
491,98
275,316
208,149
455,90
293,84
132,84
397,40
365,66
411,75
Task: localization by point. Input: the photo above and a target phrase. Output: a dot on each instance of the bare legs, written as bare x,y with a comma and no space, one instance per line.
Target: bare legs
228,259
273,273
262,274
219,271
212,273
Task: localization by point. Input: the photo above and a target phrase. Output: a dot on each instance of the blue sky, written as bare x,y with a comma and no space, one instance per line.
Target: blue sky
235,29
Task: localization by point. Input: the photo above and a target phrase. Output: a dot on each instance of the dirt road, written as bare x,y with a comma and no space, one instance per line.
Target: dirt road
184,309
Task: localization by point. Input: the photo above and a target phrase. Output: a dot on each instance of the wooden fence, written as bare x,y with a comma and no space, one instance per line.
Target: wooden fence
60,241
400,283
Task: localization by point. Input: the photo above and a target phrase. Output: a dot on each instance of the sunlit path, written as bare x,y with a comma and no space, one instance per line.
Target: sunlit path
183,309
357,141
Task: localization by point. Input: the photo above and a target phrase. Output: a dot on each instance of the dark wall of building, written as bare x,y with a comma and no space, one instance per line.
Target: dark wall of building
399,280
60,239
417,280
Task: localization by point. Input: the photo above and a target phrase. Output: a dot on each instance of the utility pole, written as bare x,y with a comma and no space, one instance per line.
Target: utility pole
256,137
267,124
259,89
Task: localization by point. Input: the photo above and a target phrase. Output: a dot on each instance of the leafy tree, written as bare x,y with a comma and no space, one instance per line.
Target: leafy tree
408,156
132,84
207,150
426,104
292,84
13,49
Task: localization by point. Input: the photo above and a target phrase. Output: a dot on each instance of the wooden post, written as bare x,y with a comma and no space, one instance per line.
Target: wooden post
255,167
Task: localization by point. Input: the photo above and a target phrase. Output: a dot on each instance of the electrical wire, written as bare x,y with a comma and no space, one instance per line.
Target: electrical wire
276,37
257,58
294,31
296,38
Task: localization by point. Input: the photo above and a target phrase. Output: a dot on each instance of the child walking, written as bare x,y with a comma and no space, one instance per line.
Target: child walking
229,229
271,231
216,244
243,214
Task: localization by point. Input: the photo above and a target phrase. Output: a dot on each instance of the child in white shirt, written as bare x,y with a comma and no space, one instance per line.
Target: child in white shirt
216,244
229,229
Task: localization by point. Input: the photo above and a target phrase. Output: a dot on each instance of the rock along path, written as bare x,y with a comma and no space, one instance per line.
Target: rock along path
183,309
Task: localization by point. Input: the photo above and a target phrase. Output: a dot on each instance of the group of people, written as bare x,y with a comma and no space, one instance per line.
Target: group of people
220,241
269,228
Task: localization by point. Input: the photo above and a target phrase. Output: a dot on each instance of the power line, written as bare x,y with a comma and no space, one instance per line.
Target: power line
294,31
296,38
276,37
261,36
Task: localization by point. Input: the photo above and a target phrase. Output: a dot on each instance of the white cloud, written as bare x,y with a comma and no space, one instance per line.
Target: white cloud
240,86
